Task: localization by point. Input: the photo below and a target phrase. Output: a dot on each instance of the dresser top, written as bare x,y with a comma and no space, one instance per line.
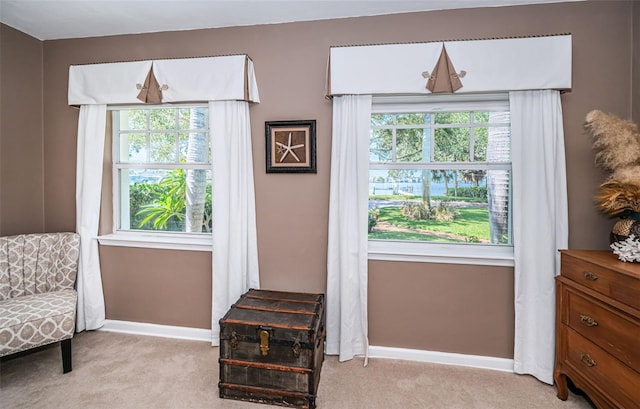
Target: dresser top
606,259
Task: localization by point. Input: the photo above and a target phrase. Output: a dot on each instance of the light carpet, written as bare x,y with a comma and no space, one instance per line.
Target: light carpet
112,370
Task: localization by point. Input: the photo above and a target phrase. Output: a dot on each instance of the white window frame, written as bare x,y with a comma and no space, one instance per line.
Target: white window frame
435,252
141,238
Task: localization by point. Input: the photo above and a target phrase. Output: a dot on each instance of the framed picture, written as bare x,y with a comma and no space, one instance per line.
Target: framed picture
291,146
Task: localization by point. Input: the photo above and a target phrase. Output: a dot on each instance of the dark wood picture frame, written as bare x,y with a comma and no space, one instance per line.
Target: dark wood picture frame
291,146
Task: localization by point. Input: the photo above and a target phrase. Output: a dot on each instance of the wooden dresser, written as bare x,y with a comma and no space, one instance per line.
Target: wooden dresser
598,328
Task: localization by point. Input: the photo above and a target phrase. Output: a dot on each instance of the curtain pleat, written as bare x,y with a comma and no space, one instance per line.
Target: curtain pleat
91,137
235,249
540,225
347,326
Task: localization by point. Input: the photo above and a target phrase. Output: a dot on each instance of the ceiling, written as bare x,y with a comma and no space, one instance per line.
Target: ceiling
59,19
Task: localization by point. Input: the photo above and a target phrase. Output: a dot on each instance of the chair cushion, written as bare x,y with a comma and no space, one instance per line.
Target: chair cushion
34,320
37,263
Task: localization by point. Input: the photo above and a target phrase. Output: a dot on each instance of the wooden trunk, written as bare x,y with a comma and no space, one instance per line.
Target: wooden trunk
272,348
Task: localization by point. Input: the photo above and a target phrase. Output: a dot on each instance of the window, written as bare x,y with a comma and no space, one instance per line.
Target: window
161,170
440,176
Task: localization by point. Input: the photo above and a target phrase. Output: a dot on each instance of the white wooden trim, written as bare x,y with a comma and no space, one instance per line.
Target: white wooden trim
175,242
155,330
198,334
459,253
445,358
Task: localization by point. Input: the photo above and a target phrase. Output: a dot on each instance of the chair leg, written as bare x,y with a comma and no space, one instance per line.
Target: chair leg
65,346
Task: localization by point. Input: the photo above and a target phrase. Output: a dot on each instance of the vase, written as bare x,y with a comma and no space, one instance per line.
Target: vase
625,227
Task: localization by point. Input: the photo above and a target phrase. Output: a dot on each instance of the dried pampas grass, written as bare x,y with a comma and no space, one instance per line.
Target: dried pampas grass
629,175
615,141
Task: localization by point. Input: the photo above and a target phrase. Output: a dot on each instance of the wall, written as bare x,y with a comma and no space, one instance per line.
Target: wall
21,145
452,308
635,103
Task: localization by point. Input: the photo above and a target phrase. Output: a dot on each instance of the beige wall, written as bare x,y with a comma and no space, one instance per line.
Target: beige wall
453,308
21,160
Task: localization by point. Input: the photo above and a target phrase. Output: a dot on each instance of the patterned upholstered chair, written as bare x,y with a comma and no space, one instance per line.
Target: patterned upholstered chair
37,295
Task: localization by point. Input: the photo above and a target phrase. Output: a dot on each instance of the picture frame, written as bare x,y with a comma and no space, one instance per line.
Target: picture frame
291,146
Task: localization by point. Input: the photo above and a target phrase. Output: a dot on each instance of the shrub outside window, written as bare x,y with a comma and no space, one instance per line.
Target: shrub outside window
440,171
162,169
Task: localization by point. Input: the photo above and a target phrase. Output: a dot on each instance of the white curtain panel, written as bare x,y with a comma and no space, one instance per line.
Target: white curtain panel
540,225
235,249
347,327
91,137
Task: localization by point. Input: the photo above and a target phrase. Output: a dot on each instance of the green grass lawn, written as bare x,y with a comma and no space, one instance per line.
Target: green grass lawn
470,224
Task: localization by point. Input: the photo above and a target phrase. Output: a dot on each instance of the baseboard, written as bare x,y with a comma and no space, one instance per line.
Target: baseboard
155,330
445,358
197,334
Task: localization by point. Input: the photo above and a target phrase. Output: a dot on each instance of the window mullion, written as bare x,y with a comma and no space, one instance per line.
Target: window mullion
472,116
176,137
394,135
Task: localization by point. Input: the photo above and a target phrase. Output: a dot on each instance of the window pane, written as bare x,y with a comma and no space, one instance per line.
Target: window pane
381,119
161,119
439,206
491,117
184,116
413,119
452,117
183,146
197,118
480,117
412,145
380,146
499,144
155,199
163,147
133,148
133,119
451,145
197,148
499,193
480,144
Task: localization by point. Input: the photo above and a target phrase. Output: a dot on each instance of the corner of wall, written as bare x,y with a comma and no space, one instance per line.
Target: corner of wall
635,61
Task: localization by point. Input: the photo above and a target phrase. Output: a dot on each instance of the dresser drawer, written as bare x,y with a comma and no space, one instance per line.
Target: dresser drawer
621,287
616,333
603,371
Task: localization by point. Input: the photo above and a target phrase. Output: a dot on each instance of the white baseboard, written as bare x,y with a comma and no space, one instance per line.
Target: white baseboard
445,358
155,330
198,334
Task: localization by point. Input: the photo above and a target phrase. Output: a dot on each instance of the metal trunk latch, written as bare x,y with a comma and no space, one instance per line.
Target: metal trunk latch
233,340
264,341
296,348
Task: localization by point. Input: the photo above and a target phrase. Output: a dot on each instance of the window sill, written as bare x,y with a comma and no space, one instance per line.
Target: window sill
475,254
157,241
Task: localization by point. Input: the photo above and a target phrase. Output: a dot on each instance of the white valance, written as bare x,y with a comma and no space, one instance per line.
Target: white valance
182,80
489,65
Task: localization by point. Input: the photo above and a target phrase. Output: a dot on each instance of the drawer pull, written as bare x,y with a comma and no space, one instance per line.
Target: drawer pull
590,276
587,360
588,321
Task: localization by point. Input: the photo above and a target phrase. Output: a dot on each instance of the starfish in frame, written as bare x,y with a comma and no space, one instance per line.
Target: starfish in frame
288,149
